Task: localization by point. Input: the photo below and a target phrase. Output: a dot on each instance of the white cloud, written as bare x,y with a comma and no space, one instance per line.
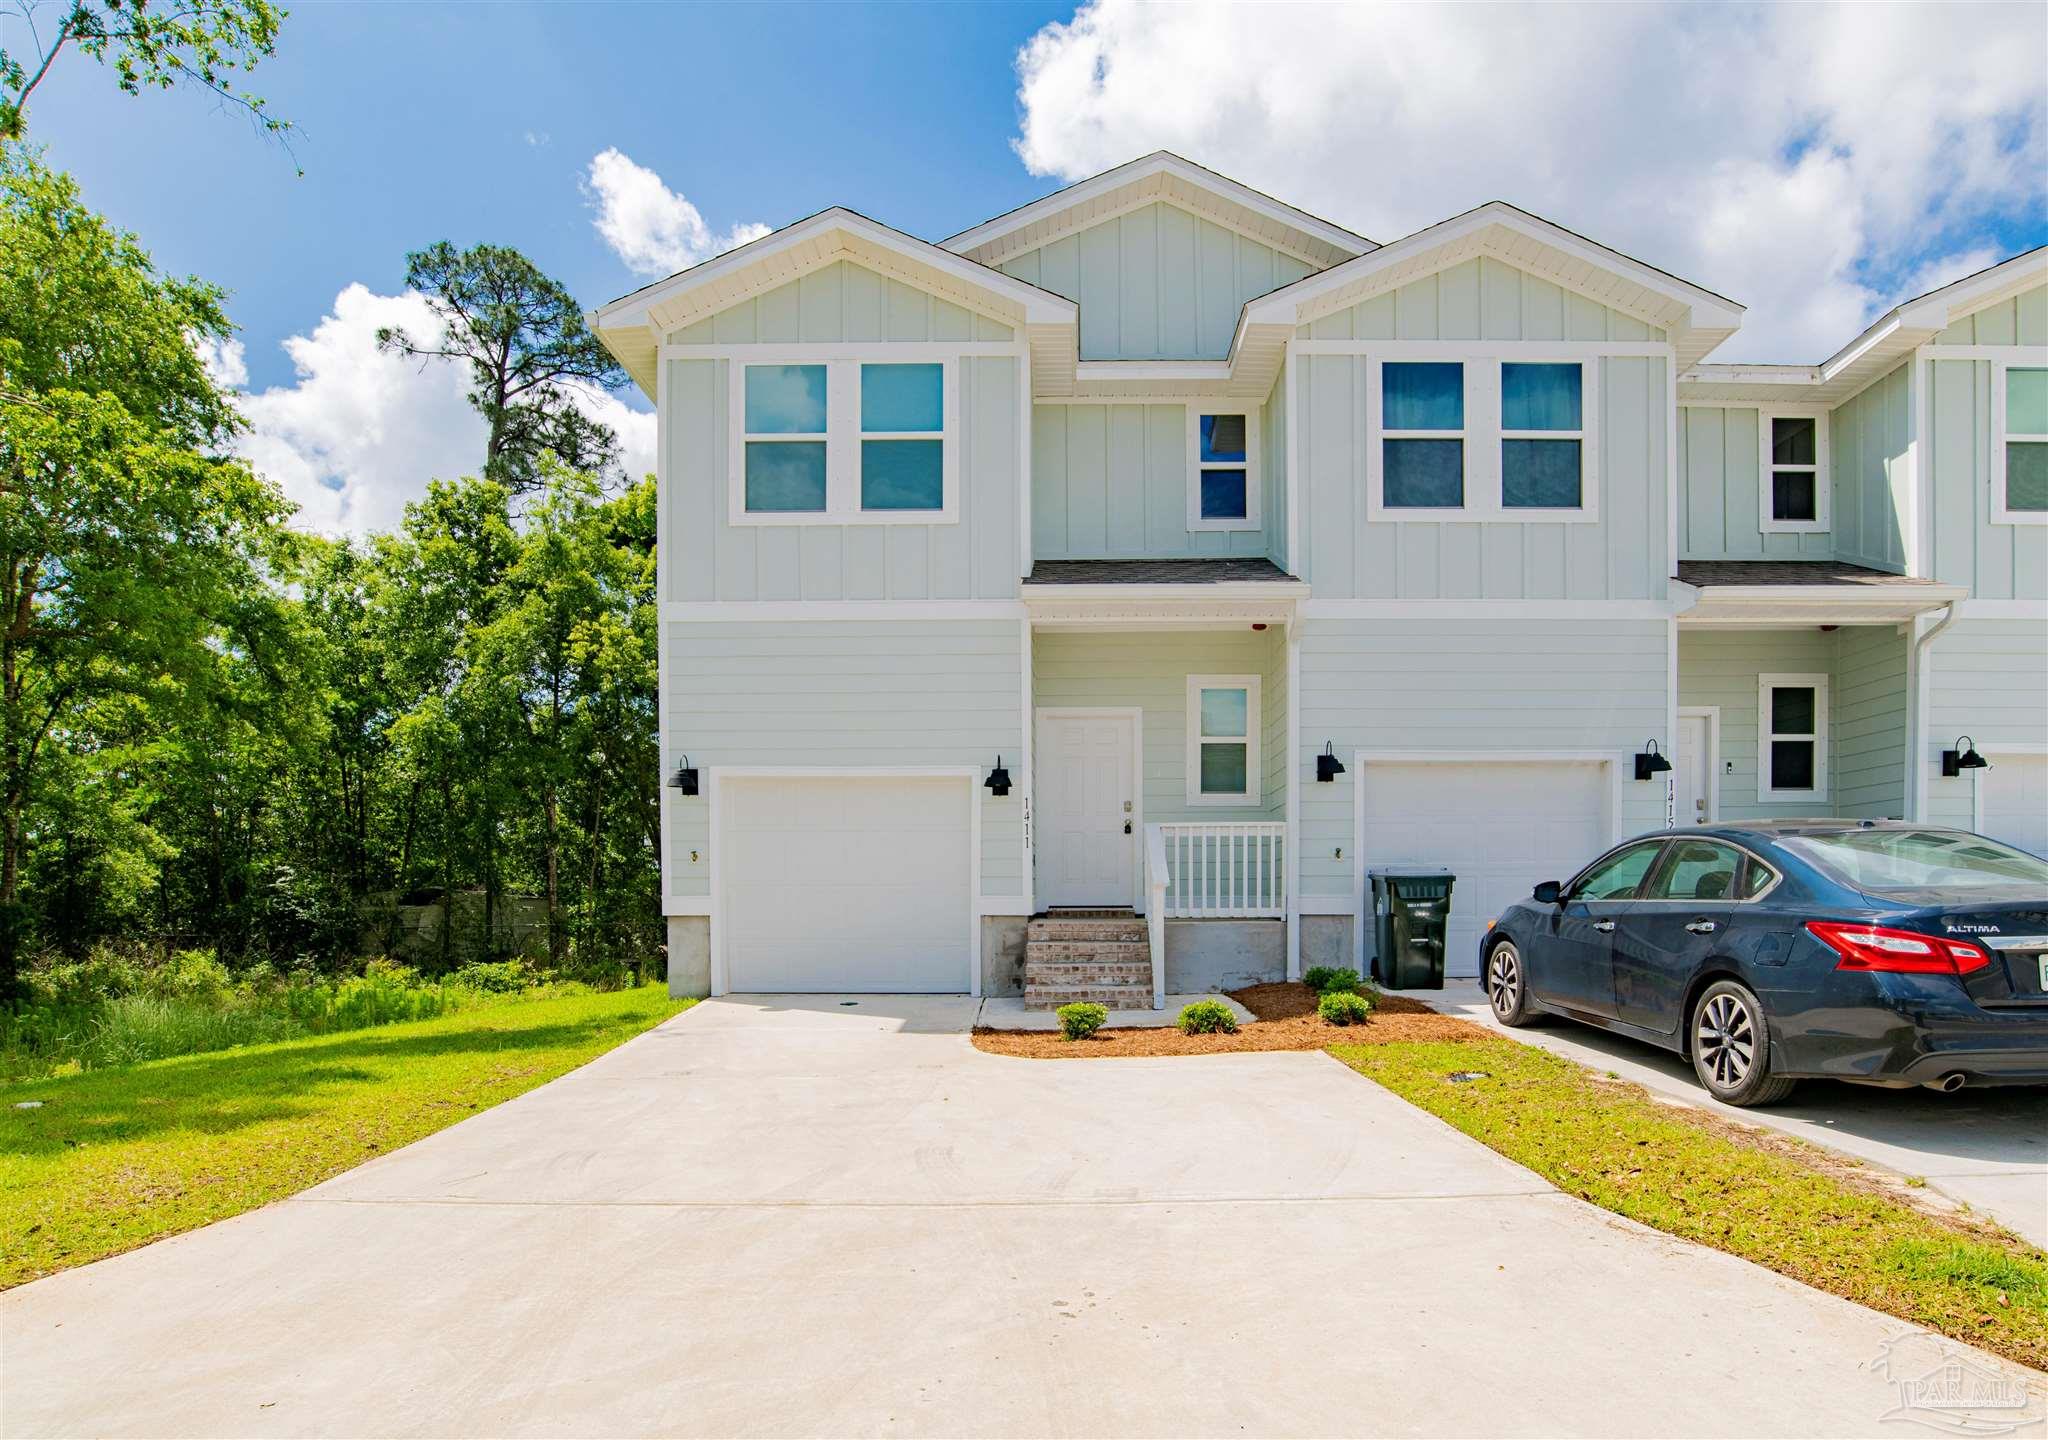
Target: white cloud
361,431
1814,163
653,229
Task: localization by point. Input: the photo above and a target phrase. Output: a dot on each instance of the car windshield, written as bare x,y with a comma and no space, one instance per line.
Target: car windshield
1920,860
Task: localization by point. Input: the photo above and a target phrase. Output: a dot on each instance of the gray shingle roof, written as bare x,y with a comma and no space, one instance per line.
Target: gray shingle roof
1155,572
1786,572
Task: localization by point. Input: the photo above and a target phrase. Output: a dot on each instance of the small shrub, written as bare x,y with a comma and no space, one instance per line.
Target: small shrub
1344,1007
190,975
1340,982
1317,976
1207,1017
1082,1018
500,977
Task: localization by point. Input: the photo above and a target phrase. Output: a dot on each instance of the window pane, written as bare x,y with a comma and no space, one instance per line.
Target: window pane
1698,870
1754,879
2026,475
1222,437
1223,769
2026,401
1224,711
1223,495
902,397
1792,710
1792,441
902,474
1424,473
1617,877
785,399
1791,764
1539,474
1793,495
785,475
1540,397
1422,397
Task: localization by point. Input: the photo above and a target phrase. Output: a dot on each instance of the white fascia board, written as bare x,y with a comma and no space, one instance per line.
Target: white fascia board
1776,605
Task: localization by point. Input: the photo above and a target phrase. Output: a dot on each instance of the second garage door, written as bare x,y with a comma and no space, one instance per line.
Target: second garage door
847,884
2013,798
1499,826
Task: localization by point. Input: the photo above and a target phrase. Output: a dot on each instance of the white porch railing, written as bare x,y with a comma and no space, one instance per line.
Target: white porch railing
1218,870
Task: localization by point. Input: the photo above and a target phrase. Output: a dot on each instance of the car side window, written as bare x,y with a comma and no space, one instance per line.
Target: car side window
1619,875
1756,878
1698,870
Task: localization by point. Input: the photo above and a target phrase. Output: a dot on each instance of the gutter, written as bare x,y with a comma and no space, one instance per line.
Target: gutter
1917,754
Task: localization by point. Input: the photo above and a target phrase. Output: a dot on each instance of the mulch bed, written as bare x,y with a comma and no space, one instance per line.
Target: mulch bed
1285,1019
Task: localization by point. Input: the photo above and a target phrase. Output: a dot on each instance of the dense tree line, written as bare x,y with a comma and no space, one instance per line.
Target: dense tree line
219,731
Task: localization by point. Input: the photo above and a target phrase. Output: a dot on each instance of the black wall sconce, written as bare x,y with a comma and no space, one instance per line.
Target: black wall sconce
1328,766
1649,762
998,781
1963,757
686,778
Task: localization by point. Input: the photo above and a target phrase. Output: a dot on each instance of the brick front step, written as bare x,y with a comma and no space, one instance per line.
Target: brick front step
1126,932
1116,997
1120,952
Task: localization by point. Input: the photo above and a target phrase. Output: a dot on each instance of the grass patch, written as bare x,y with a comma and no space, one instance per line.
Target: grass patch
1686,1173
116,1158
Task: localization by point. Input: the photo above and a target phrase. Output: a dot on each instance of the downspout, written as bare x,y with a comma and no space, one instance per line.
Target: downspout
1917,756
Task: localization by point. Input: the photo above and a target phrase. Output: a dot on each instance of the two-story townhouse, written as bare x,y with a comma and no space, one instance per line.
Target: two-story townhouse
1157,559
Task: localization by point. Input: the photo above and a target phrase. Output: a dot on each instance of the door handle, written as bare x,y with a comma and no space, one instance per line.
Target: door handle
1703,927
1603,926
1127,827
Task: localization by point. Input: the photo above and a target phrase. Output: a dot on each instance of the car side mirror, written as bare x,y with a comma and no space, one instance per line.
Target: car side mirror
1550,892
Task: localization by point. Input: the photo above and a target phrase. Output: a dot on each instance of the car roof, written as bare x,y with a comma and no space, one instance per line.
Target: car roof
1778,829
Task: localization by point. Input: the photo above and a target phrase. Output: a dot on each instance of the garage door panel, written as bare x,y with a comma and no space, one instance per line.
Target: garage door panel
2013,794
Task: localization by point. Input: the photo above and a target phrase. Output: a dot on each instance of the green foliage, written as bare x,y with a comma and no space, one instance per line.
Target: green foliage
1207,1017
1344,1007
1338,982
493,977
1317,976
1082,1018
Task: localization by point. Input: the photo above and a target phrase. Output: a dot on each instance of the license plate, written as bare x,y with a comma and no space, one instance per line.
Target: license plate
2043,959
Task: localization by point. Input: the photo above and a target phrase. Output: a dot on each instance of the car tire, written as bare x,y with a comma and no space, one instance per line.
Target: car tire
1506,982
1729,1039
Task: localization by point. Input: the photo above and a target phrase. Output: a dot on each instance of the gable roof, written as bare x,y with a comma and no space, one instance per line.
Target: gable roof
1161,175
1696,318
631,326
1877,349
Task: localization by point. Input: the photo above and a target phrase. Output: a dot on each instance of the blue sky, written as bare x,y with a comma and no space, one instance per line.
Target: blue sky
1818,163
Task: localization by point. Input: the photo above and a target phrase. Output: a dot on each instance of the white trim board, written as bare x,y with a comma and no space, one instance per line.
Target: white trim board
1194,740
1823,724
1712,715
787,611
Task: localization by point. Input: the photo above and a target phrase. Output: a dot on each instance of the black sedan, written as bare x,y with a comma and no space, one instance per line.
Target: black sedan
1863,950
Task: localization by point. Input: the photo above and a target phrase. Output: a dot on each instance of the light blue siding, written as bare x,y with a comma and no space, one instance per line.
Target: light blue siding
1273,429
1870,437
1157,283
1720,514
1483,299
1111,481
842,301
845,694
1987,679
1997,561
2020,320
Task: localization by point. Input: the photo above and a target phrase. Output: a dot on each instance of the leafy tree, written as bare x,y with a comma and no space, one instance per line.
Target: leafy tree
528,351
187,42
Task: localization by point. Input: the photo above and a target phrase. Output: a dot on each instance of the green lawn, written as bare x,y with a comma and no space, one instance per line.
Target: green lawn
1777,1203
117,1158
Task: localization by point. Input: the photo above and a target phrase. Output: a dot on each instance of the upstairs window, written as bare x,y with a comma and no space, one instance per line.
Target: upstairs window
1794,471
1223,740
2019,493
1422,435
1792,737
1542,435
843,442
1223,483
1467,436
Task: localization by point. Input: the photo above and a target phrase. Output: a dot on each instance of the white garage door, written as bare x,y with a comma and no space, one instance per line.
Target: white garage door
835,884
1500,827
2014,797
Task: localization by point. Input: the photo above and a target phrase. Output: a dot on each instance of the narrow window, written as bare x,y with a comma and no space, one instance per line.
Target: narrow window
902,449
785,438
1795,493
2025,491
1792,737
1223,488
1542,427
1422,439
1223,740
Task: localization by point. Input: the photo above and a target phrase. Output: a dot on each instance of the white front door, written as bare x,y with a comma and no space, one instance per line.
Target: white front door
1086,776
1692,770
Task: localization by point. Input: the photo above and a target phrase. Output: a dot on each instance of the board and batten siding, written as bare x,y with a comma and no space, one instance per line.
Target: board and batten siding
1482,299
1720,461
1446,686
706,558
1111,482
1273,431
2020,319
1870,449
1987,679
1157,283
1998,561
844,694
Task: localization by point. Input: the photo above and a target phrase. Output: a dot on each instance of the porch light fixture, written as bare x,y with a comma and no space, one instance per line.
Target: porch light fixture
998,781
1649,762
1963,757
686,778
1328,766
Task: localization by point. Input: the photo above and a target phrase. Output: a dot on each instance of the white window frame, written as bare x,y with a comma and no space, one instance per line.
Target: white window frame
1254,779
1765,684
2000,514
843,436
1823,482
1482,435
1196,465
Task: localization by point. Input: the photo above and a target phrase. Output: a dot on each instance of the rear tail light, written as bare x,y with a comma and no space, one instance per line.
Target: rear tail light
1875,947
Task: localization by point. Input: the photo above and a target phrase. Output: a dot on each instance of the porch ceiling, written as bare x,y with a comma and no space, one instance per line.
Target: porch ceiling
1803,592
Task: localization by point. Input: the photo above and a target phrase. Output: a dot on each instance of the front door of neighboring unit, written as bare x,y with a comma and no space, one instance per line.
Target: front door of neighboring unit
1086,775
2012,798
1692,771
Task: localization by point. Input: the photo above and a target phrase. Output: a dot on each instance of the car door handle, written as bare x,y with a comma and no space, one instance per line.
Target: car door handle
1703,927
1603,926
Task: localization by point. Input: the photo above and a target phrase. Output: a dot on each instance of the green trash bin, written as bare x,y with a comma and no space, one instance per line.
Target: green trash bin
1410,909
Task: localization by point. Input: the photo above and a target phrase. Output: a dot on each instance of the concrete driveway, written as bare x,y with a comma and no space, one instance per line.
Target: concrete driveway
1987,1149
791,1217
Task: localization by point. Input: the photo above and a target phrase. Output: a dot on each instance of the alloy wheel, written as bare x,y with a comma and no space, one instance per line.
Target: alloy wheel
1726,1039
1504,980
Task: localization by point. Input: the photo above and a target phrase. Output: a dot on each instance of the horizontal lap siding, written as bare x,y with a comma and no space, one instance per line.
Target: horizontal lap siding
1596,686
845,694
1987,679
